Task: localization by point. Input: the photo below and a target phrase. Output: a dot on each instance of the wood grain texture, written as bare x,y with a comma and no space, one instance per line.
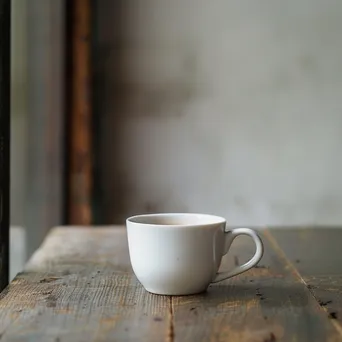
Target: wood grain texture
5,26
80,133
316,254
79,286
269,303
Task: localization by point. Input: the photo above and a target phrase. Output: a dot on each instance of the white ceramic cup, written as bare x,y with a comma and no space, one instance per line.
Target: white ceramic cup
180,254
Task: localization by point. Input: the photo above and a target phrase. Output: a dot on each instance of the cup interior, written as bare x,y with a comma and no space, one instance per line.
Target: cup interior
176,219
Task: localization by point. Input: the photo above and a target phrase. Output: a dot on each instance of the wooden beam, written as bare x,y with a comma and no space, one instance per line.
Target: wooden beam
80,119
5,28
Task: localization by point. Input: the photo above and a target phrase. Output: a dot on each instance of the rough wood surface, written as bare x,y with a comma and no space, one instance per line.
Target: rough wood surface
5,29
317,257
79,286
268,303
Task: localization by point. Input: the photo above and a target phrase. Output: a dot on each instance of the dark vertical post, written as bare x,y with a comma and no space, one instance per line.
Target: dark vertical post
80,180
5,25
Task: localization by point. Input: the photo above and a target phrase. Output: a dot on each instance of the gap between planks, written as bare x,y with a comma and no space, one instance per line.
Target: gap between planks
171,329
282,255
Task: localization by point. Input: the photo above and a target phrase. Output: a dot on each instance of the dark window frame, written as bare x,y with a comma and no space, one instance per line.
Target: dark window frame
5,73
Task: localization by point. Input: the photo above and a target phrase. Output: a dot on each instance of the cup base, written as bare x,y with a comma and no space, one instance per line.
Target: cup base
174,293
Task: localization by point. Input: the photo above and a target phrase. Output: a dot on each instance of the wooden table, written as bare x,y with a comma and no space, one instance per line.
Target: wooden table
79,286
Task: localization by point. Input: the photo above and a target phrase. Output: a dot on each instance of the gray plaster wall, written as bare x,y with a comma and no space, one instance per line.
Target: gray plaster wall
19,117
226,107
37,128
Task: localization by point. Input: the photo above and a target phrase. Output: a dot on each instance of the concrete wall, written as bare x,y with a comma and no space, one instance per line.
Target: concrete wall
227,107
37,125
19,116
18,110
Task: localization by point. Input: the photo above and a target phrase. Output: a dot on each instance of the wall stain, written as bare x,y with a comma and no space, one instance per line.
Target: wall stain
127,199
160,98
307,63
241,203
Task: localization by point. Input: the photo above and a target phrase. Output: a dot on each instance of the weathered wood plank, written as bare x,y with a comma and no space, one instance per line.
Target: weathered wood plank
316,254
268,303
79,287
5,29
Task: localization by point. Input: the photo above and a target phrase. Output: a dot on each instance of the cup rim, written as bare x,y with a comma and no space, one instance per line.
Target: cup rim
208,219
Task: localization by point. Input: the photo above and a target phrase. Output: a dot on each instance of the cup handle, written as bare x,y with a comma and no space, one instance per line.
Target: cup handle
249,264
